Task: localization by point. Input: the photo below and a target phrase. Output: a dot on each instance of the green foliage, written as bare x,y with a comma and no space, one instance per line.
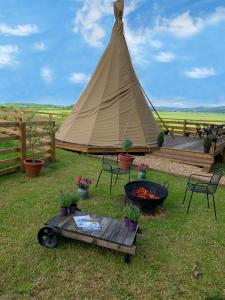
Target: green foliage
160,139
215,296
68,198
131,212
207,142
127,144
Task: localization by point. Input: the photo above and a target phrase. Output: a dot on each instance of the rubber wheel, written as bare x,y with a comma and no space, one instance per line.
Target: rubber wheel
47,237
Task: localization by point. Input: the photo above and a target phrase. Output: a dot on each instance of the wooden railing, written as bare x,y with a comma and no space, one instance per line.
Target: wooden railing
14,148
182,127
21,115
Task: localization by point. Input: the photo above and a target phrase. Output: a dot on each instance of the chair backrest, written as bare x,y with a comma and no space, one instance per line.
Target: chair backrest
109,158
215,179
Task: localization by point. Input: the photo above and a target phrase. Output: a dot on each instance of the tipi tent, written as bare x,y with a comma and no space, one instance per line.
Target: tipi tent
113,106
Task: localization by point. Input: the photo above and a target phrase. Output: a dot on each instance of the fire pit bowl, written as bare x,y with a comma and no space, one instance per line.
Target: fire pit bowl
156,189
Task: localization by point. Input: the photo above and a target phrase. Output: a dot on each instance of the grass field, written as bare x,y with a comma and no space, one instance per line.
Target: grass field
193,116
168,249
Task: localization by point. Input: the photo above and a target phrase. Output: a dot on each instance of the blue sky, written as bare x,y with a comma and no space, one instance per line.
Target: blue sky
49,49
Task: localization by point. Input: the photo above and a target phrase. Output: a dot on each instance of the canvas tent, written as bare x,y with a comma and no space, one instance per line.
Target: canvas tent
113,106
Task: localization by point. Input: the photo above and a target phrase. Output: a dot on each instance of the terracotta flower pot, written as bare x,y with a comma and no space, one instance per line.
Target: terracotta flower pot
125,161
33,168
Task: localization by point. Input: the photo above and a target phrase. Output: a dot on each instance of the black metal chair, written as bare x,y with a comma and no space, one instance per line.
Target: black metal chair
208,188
111,166
198,131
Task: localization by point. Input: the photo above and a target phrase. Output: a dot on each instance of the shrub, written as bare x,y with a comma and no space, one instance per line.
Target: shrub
68,198
127,144
131,212
160,139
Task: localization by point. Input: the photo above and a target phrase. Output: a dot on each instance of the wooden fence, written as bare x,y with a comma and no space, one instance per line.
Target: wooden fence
21,115
182,127
14,148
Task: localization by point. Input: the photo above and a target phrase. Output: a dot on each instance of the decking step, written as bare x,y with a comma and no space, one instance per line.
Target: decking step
185,160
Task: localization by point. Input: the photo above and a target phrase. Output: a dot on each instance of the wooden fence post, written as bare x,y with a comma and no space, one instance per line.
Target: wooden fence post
52,141
23,143
213,148
185,127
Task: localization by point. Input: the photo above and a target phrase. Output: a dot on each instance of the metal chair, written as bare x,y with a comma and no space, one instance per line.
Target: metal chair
208,188
111,166
198,131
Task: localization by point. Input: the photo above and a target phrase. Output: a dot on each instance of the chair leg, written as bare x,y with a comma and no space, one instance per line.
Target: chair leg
116,177
129,176
189,202
208,199
185,196
98,179
214,205
111,178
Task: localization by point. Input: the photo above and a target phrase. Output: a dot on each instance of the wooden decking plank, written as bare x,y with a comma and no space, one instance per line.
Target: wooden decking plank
122,234
129,239
114,234
109,230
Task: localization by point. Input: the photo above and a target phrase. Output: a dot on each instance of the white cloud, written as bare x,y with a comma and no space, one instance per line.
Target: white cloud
40,46
198,73
47,74
79,78
18,30
185,25
8,55
165,57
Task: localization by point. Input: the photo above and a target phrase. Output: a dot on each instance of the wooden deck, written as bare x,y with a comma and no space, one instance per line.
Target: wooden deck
184,143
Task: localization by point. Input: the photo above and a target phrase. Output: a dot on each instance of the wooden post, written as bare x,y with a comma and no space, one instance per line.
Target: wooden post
223,158
52,141
213,148
185,126
23,143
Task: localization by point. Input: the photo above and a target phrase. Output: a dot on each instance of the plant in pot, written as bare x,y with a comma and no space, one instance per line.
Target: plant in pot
82,184
125,159
131,215
160,139
142,169
207,144
74,199
32,166
65,202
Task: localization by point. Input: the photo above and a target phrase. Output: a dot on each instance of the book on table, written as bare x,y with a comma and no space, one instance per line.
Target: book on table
87,223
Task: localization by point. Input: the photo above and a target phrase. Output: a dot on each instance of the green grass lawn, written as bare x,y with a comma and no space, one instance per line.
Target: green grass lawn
168,248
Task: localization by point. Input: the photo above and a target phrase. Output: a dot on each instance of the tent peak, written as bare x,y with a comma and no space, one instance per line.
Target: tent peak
118,9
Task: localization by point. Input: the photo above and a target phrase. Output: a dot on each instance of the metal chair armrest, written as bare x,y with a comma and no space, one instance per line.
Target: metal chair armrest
204,176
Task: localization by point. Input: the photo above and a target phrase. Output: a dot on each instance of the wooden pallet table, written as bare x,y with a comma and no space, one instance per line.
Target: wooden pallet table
113,234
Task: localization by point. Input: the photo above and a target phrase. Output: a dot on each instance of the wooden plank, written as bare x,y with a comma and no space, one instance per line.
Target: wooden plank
39,145
9,160
23,144
9,138
99,242
9,124
9,150
129,239
109,230
186,153
52,139
9,170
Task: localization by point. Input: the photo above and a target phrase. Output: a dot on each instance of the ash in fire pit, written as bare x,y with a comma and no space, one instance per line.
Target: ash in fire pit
146,194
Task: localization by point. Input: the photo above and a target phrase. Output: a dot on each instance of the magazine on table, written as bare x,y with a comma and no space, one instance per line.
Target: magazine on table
86,223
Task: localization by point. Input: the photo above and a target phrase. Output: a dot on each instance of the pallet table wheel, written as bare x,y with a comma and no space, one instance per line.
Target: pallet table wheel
127,258
48,237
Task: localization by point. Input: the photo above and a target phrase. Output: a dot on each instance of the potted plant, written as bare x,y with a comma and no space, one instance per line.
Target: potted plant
142,169
74,199
131,216
207,144
65,202
83,184
160,139
33,166
125,159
